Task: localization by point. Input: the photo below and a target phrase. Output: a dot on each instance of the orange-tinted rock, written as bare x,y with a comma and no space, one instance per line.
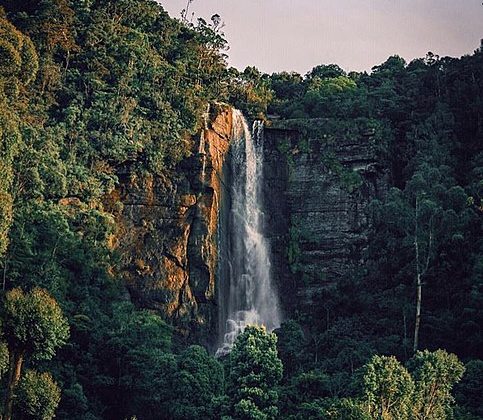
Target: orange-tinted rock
167,229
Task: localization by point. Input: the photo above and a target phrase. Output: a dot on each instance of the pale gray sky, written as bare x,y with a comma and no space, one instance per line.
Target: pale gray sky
276,35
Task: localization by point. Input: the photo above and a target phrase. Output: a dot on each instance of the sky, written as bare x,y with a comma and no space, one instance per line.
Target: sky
296,35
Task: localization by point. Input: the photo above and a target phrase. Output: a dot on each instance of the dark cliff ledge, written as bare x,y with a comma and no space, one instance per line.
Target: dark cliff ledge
167,227
320,176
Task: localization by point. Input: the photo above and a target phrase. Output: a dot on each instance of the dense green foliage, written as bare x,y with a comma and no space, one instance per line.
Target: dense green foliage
33,328
424,119
87,90
391,392
34,323
388,388
254,373
19,67
118,84
434,374
382,389
38,396
90,89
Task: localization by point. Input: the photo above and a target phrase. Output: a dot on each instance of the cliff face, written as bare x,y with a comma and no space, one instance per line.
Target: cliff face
318,191
167,229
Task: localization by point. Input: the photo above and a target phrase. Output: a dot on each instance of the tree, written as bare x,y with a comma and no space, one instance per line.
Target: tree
393,66
332,409
34,326
423,391
388,389
254,373
468,391
427,216
137,367
250,91
37,396
325,71
197,384
291,346
435,374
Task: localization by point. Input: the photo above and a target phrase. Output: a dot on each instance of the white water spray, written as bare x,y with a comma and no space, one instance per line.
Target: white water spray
246,292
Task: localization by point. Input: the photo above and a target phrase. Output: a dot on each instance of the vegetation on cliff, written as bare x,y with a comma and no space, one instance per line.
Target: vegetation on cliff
420,284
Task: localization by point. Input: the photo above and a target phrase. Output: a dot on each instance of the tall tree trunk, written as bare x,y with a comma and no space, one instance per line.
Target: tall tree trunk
422,265
16,361
418,312
418,279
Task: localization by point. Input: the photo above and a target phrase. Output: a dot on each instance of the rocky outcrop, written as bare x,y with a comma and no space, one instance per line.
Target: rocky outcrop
318,188
167,229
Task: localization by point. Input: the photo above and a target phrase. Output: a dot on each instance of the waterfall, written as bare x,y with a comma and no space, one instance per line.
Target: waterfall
246,295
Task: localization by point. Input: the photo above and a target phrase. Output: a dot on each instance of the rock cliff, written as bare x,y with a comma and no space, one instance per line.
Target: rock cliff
318,186
167,229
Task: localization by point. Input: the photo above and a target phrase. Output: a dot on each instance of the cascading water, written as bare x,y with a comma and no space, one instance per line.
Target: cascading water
246,295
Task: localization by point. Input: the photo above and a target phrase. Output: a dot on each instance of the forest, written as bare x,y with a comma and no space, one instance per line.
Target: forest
89,86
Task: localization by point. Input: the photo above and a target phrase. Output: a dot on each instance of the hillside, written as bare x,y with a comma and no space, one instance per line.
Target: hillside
118,159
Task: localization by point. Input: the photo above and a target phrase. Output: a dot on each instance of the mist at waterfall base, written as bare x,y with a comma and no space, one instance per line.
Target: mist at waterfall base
246,295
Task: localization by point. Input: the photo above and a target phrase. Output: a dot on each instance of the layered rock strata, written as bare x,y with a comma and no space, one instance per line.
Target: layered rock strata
318,190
